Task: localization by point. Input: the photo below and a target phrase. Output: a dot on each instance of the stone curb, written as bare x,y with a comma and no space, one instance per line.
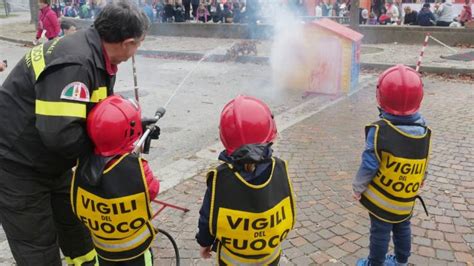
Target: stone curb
8,39
266,60
424,69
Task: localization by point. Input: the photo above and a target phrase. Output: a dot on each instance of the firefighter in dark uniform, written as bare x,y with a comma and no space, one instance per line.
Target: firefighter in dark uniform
44,103
249,206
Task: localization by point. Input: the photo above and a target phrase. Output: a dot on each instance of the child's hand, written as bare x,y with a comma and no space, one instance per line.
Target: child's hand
356,195
205,252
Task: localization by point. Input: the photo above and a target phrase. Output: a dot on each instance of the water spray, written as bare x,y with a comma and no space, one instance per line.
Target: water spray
160,112
186,77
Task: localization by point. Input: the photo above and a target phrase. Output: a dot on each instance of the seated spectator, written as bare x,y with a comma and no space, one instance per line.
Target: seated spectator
179,14
444,13
251,13
318,11
426,17
149,11
160,11
236,11
393,12
372,19
216,11
67,28
466,13
363,15
384,19
84,11
71,10
168,12
410,16
56,7
336,8
202,14
227,13
326,8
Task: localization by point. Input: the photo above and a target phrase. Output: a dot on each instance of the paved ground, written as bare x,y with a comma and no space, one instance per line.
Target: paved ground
323,153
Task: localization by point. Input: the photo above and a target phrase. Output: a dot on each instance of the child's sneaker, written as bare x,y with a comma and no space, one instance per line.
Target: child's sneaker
362,262
390,260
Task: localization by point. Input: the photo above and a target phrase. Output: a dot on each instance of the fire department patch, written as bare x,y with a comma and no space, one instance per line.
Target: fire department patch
76,91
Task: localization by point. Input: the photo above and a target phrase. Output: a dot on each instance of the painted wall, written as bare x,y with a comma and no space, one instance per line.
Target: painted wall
320,62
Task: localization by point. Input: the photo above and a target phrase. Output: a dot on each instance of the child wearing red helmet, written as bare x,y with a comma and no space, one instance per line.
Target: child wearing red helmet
249,205
393,165
112,188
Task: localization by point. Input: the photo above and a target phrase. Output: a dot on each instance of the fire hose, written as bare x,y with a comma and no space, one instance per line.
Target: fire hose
143,145
175,246
145,141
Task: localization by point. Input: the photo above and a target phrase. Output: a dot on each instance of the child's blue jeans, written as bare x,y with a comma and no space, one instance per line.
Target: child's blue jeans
380,238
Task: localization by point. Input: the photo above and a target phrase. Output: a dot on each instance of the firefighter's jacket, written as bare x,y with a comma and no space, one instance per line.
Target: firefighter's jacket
403,158
250,221
45,100
116,210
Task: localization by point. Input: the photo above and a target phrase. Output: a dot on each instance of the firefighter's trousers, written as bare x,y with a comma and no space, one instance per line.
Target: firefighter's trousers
36,215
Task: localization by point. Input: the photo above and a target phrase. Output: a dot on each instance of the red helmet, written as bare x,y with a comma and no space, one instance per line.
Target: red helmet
246,120
114,125
400,90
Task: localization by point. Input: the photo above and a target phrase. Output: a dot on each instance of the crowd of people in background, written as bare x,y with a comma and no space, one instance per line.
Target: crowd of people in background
381,12
217,11
85,9
440,13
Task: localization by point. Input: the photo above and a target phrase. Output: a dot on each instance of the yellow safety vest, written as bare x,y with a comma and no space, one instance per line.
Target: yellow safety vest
117,211
250,221
403,159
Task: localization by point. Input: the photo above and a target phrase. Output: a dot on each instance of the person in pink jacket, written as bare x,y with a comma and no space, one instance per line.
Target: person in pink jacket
466,13
47,21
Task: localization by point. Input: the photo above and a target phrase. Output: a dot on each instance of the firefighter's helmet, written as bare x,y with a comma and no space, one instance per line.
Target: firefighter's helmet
114,125
246,120
400,90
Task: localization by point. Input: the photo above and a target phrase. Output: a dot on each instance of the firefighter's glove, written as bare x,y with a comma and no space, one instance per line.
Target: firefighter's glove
150,123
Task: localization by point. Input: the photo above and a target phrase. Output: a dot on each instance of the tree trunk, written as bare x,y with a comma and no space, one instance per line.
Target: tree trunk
34,11
5,5
354,15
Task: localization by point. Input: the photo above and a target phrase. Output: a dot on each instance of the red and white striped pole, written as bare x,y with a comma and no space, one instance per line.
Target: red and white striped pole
425,43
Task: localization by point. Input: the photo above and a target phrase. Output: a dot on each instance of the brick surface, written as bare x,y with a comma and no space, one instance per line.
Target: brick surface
426,252
464,257
435,234
320,257
445,255
337,240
